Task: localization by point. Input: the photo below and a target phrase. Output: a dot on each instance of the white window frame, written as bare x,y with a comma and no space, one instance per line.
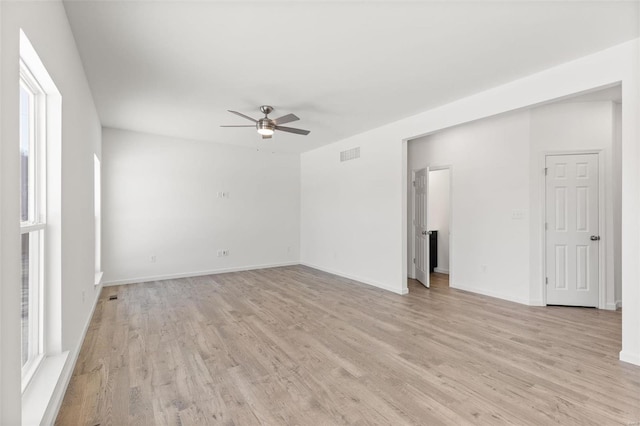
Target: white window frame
38,390
97,208
35,225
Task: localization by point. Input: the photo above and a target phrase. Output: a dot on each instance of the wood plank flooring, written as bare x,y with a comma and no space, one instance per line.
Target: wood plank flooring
294,345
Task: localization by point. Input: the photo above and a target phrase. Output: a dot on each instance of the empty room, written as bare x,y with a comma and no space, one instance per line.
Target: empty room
319,212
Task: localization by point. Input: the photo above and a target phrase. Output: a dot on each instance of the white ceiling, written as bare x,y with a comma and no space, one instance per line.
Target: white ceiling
174,68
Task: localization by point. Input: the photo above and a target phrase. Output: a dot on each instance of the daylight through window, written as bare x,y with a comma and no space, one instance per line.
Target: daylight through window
32,217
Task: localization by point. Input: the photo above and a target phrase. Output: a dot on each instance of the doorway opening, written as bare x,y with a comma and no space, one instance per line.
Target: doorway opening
439,224
430,226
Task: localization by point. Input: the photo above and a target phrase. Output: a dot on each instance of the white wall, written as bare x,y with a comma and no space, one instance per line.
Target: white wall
438,214
160,199
572,127
383,261
46,25
489,160
506,153
350,212
4,377
617,196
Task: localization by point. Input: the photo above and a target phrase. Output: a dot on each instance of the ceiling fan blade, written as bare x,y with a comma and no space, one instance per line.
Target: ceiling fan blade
292,130
286,119
266,136
239,125
242,115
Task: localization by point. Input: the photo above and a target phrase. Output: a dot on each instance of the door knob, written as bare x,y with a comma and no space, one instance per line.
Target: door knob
595,237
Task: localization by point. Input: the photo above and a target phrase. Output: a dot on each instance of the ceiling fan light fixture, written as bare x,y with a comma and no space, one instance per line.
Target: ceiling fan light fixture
265,127
265,132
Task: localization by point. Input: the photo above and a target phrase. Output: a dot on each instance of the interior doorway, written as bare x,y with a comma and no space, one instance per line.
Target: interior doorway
572,229
430,225
439,223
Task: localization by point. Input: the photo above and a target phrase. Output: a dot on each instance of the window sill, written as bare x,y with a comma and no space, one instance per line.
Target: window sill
98,279
31,370
37,397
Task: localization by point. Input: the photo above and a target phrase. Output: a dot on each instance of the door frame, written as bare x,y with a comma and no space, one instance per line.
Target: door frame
412,199
427,280
602,223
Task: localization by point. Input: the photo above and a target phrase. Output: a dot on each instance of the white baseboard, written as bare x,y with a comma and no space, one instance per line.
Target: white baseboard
359,279
613,306
194,274
536,302
441,270
55,402
490,293
630,358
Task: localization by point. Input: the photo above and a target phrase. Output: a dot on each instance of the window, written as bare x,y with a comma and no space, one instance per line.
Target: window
32,217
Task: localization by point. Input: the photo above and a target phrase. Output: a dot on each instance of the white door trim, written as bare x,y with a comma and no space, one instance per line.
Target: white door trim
602,220
412,202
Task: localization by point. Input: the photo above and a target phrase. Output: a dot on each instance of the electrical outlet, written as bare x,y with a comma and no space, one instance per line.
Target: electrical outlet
483,268
222,253
517,215
152,258
223,194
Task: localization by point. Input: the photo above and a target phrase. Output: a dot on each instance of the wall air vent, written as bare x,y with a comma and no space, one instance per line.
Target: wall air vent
350,154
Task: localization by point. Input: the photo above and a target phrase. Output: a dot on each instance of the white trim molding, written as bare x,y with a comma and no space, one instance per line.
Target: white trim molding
251,268
493,294
136,280
630,358
359,279
52,381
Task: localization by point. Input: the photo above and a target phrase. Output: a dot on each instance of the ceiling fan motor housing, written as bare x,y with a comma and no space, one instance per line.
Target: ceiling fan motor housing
265,126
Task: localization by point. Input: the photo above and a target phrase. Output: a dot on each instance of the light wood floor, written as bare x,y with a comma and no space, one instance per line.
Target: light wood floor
297,346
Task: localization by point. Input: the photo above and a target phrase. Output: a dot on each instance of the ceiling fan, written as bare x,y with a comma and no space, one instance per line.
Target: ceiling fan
266,126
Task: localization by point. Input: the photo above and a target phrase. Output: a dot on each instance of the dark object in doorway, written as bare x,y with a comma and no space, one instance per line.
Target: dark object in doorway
113,297
433,250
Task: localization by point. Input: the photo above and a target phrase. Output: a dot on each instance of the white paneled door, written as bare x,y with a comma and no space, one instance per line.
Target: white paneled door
572,239
421,235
